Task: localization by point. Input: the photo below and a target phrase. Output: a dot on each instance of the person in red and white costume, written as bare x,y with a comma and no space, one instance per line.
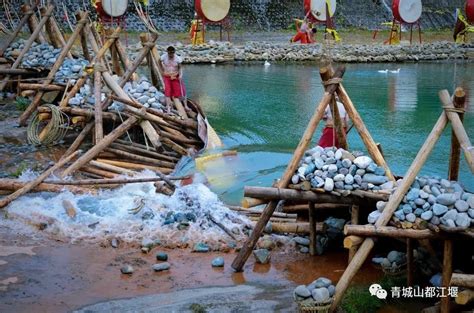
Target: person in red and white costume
172,71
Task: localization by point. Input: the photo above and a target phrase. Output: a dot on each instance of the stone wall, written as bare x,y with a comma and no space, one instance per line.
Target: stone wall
266,15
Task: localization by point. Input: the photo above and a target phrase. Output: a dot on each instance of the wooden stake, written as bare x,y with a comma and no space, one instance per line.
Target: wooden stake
27,46
36,100
354,221
390,208
447,271
101,145
455,155
5,201
363,131
247,248
458,129
98,128
312,228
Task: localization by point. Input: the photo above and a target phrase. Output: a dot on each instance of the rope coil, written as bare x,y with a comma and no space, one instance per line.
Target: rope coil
455,110
332,81
56,131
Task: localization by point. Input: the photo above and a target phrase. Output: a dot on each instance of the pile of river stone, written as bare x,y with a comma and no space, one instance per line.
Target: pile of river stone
393,260
320,291
145,93
85,97
71,70
332,168
39,56
437,201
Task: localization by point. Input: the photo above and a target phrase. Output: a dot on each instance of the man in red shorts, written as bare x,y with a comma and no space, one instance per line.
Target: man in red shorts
170,65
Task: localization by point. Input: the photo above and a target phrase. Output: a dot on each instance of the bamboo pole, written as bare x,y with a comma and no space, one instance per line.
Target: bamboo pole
462,280
139,158
455,155
137,166
119,144
27,12
363,131
50,87
458,129
101,145
389,231
27,46
32,184
36,100
297,228
98,128
100,172
273,193
390,208
114,181
14,185
247,248
174,146
88,114
447,272
111,168
16,71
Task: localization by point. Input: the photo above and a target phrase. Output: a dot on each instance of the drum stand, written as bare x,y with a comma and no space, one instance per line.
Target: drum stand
224,25
397,25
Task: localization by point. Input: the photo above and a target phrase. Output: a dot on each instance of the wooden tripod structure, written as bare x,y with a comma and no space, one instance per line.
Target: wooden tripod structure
460,141
334,86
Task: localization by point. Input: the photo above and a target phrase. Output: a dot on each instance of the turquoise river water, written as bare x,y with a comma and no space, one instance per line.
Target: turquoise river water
262,112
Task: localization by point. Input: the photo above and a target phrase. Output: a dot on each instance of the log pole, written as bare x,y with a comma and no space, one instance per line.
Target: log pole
388,231
462,280
29,186
458,129
27,12
36,100
247,248
312,228
447,272
455,155
98,127
27,46
33,24
354,221
392,205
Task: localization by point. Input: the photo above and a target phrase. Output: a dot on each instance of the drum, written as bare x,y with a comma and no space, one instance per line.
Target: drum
317,9
212,10
470,11
407,11
111,8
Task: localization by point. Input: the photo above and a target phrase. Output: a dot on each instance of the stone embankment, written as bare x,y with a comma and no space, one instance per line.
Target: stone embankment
222,52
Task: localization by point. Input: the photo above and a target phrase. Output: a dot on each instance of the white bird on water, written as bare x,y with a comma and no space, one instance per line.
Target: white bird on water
395,71
266,63
383,71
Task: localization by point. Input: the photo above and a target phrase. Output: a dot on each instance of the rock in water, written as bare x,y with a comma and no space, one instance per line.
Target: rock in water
161,267
201,247
301,241
161,256
218,262
262,256
127,269
322,282
302,291
320,294
362,162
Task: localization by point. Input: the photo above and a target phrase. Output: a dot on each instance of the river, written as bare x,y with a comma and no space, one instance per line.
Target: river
262,112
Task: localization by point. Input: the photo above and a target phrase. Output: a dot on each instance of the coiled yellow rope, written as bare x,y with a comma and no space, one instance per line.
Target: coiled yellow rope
57,127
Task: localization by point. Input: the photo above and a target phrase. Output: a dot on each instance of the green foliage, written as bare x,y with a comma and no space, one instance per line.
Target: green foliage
197,308
358,299
22,103
21,167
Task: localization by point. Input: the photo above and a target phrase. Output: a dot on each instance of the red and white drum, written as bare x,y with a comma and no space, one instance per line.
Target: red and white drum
470,11
212,10
407,11
316,9
111,8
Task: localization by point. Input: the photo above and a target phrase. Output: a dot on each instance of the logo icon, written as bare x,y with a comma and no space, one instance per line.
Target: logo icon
378,291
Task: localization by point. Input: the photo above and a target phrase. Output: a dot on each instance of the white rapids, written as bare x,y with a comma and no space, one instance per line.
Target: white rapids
107,215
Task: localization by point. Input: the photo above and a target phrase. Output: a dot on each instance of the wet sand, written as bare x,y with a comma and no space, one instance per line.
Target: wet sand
61,277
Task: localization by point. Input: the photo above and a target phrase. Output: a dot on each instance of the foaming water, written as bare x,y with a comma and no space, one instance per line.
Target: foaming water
109,214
